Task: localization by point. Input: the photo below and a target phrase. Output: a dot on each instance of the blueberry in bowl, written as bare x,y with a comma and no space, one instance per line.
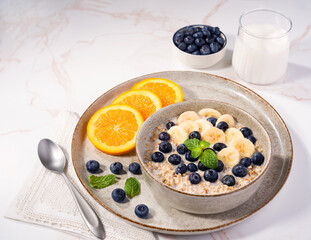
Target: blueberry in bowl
199,46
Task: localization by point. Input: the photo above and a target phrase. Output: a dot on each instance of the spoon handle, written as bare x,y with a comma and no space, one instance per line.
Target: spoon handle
88,214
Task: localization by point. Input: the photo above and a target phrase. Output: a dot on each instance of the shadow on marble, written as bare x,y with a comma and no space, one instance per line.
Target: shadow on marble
296,72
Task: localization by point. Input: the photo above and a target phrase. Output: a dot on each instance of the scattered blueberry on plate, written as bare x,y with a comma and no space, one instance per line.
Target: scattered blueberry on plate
169,125
141,210
199,40
223,126
212,120
219,146
189,157
165,147
92,166
174,159
192,167
201,166
246,162
195,134
220,166
118,195
228,180
134,168
182,168
164,136
246,132
210,175
116,167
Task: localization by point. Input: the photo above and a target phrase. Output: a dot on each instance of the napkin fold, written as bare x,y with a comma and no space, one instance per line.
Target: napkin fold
46,200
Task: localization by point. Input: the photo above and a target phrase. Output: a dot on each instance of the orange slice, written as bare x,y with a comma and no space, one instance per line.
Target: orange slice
168,91
146,102
113,129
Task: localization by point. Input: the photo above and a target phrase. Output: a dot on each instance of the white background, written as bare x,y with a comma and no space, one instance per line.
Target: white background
62,55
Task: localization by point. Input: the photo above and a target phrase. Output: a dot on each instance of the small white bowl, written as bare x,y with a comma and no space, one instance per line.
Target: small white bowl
199,61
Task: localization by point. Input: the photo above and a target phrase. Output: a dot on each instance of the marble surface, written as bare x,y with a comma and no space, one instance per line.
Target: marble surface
62,55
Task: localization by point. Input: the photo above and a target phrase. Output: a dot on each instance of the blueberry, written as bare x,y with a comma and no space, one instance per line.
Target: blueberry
188,39
189,157
134,168
252,139
209,40
210,175
190,31
195,178
169,125
141,210
220,40
258,158
195,134
165,147
178,38
239,170
164,136
206,33
228,180
182,46
118,195
116,167
196,29
246,132
205,50
192,167
182,149
212,30
214,47
220,166
217,31
246,162
196,52
157,157
192,47
92,166
198,35
212,120
199,42
201,166
222,126
174,159
182,168
219,146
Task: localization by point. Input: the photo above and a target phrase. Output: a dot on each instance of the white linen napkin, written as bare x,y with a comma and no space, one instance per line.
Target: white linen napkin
47,201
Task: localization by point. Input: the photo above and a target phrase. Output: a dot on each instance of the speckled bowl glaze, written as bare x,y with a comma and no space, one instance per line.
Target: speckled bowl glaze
194,203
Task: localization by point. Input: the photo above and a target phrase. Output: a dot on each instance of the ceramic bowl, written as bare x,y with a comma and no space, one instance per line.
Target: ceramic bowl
199,61
194,203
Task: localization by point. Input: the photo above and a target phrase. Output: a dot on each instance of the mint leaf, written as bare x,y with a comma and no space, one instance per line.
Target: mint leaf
192,143
132,187
209,159
196,152
204,144
102,181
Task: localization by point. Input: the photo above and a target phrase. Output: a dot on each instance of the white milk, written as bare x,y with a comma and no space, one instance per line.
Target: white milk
261,60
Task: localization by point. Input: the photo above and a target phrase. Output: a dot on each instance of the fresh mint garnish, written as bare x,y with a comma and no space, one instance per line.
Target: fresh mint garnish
132,187
102,181
209,159
200,149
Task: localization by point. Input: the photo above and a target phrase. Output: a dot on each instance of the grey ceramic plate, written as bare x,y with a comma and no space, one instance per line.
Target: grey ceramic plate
163,218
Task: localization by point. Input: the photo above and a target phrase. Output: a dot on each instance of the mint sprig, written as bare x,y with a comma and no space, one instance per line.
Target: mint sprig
200,149
132,187
102,181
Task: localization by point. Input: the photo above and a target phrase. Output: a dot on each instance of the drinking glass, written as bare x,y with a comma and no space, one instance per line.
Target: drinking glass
262,44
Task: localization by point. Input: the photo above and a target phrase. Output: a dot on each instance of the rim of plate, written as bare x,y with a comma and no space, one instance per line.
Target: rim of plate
181,230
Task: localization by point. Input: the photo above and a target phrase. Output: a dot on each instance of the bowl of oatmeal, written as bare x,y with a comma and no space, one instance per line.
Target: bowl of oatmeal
203,156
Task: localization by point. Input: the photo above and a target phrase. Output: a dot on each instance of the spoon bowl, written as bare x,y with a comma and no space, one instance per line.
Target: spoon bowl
51,156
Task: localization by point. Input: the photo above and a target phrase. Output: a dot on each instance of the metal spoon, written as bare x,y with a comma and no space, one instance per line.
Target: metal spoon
53,158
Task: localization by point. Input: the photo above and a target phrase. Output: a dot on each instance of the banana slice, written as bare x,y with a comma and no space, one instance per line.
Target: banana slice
189,126
229,156
178,135
245,147
203,124
226,118
213,135
188,115
232,133
209,112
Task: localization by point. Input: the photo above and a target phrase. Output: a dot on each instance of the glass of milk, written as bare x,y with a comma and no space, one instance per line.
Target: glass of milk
261,48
